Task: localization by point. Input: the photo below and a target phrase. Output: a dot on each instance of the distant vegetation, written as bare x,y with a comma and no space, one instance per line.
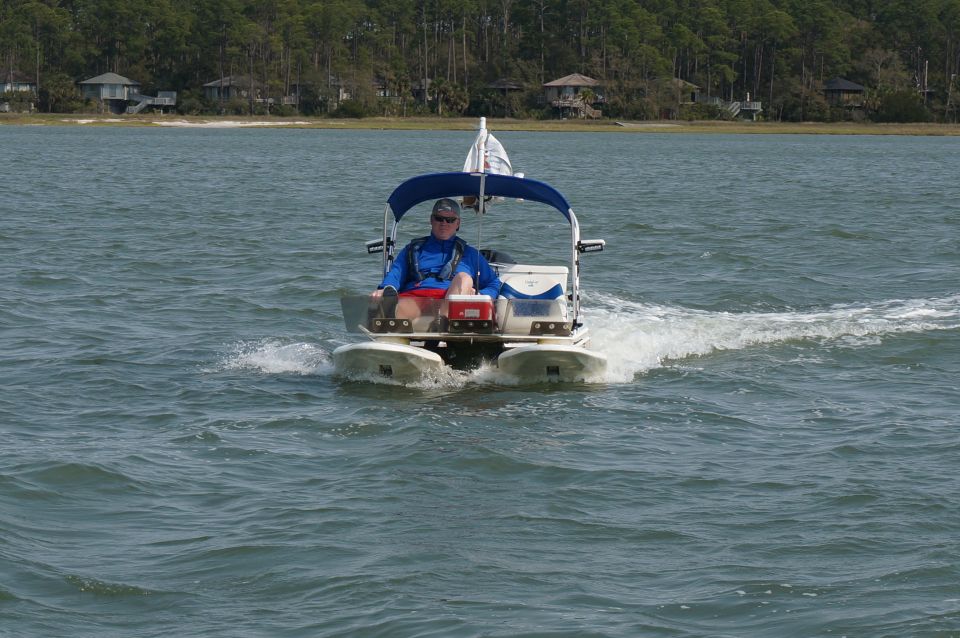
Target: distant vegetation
906,52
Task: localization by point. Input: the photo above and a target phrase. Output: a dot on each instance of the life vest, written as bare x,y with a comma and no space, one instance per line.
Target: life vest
448,269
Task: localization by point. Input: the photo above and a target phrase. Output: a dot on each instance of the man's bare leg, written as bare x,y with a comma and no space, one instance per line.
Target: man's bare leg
462,284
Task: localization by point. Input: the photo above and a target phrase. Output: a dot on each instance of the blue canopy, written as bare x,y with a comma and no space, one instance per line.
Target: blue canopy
437,185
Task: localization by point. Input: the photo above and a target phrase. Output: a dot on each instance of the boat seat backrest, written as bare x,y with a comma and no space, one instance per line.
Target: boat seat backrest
533,280
529,294
509,292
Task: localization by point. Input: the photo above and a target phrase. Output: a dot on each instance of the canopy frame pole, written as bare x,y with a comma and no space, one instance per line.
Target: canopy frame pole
481,210
387,243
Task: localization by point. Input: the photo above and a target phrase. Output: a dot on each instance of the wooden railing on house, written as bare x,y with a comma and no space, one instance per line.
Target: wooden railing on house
164,98
583,109
734,108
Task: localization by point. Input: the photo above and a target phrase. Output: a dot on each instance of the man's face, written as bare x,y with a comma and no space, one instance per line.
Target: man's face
444,224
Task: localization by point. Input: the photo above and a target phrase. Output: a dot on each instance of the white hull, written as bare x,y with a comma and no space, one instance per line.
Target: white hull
531,363
539,362
390,360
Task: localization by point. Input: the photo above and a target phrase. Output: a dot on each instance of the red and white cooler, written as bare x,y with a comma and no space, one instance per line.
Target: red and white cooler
470,307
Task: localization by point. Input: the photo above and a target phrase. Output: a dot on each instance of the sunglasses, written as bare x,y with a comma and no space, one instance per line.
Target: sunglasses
441,218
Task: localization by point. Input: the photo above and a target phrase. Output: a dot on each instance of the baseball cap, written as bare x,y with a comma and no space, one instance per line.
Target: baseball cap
447,205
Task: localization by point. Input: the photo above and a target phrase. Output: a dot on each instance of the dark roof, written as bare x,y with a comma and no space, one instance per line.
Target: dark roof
111,78
505,84
243,81
574,79
683,84
839,84
16,77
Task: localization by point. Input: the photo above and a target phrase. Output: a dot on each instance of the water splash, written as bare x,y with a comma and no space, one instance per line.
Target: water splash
271,356
447,378
638,337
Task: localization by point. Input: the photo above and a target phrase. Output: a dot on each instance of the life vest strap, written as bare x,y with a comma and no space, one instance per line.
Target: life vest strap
413,259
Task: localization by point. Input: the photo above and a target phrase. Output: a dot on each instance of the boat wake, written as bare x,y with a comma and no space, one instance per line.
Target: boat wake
271,356
638,337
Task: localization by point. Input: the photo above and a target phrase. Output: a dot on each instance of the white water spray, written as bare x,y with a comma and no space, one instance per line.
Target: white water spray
271,356
639,337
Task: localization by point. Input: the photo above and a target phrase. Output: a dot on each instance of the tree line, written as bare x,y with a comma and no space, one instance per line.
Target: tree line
905,52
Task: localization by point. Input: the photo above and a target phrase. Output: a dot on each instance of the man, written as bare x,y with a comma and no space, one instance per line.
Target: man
434,267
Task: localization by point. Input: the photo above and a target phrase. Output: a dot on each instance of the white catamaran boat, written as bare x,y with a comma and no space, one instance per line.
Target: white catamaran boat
532,331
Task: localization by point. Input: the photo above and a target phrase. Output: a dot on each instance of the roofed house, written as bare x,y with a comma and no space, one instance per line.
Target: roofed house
687,92
841,92
16,82
510,93
233,86
117,92
18,91
111,90
683,93
386,89
574,94
421,90
673,94
505,86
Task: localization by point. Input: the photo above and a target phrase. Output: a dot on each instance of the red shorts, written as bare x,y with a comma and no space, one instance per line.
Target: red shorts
430,293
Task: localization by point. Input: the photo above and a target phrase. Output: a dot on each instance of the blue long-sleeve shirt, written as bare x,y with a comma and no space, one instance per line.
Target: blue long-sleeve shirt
433,255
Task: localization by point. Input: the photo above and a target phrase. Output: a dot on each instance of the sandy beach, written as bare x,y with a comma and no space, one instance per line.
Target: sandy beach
470,123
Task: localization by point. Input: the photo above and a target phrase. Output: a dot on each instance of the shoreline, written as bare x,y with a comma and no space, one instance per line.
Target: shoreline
470,123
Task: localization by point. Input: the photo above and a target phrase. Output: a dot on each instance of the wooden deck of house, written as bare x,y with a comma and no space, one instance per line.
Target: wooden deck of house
743,110
164,98
582,109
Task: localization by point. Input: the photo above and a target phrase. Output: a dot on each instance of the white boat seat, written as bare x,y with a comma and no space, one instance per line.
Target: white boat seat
530,279
530,294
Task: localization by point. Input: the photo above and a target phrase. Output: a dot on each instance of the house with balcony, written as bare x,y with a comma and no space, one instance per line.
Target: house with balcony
119,95
736,109
574,95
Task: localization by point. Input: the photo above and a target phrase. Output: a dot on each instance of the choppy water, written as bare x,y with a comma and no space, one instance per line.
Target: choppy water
773,453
